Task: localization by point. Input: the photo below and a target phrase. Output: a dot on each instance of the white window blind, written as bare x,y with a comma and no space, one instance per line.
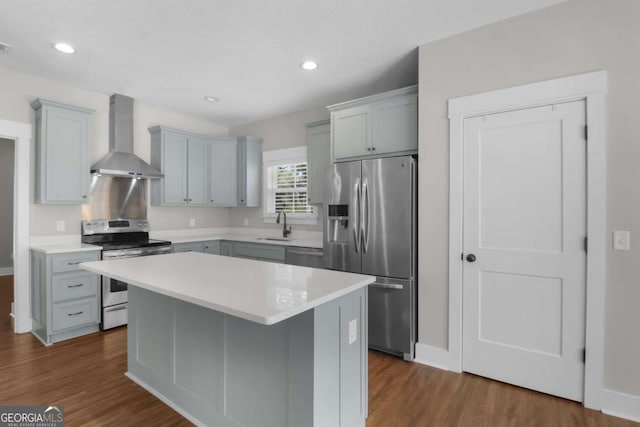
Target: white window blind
290,185
286,181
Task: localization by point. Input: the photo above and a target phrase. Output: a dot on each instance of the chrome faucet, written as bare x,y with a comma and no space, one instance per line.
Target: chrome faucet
285,231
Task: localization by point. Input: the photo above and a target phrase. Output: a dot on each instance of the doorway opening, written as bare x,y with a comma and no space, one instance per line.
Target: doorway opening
7,162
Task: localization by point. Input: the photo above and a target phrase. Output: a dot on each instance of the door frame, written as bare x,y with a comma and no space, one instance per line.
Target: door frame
21,134
590,87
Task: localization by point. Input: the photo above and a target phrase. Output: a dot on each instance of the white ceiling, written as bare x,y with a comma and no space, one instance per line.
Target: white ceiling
171,53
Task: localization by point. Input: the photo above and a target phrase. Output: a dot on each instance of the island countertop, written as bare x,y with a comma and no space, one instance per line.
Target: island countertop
262,292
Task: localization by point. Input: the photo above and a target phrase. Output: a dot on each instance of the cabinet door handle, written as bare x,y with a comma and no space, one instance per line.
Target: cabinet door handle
184,200
189,199
373,148
76,286
74,263
84,196
75,314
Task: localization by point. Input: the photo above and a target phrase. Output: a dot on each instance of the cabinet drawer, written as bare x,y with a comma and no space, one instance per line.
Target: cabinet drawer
262,252
73,285
69,262
74,313
188,247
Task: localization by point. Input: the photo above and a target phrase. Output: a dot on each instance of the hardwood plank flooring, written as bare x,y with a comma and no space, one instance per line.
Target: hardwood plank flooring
86,375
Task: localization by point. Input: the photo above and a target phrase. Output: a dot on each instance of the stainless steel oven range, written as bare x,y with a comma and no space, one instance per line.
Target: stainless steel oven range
120,238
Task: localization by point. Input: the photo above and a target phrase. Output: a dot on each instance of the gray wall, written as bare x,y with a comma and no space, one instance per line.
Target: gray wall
6,201
279,132
572,38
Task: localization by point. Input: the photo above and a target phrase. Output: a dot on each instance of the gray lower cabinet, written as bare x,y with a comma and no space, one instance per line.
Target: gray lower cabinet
256,251
318,157
62,155
380,125
65,300
209,247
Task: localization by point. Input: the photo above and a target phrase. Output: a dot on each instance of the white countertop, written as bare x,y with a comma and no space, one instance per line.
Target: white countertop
308,240
59,248
262,292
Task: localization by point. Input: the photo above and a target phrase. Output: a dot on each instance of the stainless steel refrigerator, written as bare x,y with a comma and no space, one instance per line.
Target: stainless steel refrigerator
370,228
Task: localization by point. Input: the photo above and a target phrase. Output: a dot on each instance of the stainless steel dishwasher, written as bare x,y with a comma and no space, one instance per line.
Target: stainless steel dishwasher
306,257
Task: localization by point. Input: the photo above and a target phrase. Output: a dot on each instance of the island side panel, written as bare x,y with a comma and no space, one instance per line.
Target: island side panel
217,369
341,362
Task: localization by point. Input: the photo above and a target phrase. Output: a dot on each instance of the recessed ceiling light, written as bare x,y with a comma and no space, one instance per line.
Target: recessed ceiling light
211,99
64,48
309,65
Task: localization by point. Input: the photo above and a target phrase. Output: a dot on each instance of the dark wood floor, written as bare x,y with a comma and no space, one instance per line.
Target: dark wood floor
86,375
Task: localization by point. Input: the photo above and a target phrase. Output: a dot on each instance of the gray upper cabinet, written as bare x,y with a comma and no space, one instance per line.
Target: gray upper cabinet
62,156
249,171
318,157
223,187
379,125
205,171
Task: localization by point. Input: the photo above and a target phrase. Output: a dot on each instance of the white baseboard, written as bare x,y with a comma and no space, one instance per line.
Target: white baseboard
621,405
432,356
6,271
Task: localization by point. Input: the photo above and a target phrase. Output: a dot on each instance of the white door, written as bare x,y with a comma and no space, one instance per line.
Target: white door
525,224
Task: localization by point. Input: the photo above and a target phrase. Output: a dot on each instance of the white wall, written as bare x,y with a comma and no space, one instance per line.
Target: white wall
279,132
7,155
572,38
19,90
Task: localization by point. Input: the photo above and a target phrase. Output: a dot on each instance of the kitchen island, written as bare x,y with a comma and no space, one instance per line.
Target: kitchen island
236,342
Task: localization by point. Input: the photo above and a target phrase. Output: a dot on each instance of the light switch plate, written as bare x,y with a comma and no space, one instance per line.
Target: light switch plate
353,331
621,240
60,226
192,222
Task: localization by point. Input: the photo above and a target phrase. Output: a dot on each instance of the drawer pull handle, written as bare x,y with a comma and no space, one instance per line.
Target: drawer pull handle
306,253
75,314
76,286
74,263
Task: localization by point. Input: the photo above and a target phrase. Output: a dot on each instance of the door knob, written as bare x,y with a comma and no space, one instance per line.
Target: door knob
471,258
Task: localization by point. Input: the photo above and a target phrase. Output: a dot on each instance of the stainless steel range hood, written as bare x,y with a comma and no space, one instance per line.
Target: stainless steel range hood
121,161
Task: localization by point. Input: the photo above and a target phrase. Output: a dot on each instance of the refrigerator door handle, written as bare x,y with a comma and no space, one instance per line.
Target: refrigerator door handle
356,214
365,214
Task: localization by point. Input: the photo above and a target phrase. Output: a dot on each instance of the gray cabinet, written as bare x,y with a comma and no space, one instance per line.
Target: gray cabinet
223,176
318,157
205,171
62,156
183,159
249,171
380,125
209,247
65,300
256,251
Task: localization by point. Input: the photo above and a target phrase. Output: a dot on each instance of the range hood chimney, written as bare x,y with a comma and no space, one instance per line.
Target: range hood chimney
120,161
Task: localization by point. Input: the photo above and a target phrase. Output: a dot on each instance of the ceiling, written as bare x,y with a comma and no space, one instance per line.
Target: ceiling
247,53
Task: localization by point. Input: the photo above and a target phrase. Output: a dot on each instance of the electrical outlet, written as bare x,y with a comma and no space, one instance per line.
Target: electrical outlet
353,331
246,222
621,240
60,226
192,222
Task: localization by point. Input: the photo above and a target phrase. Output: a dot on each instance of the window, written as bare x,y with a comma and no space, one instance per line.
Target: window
286,186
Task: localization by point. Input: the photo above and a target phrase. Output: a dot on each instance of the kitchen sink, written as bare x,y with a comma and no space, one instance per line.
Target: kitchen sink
277,239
